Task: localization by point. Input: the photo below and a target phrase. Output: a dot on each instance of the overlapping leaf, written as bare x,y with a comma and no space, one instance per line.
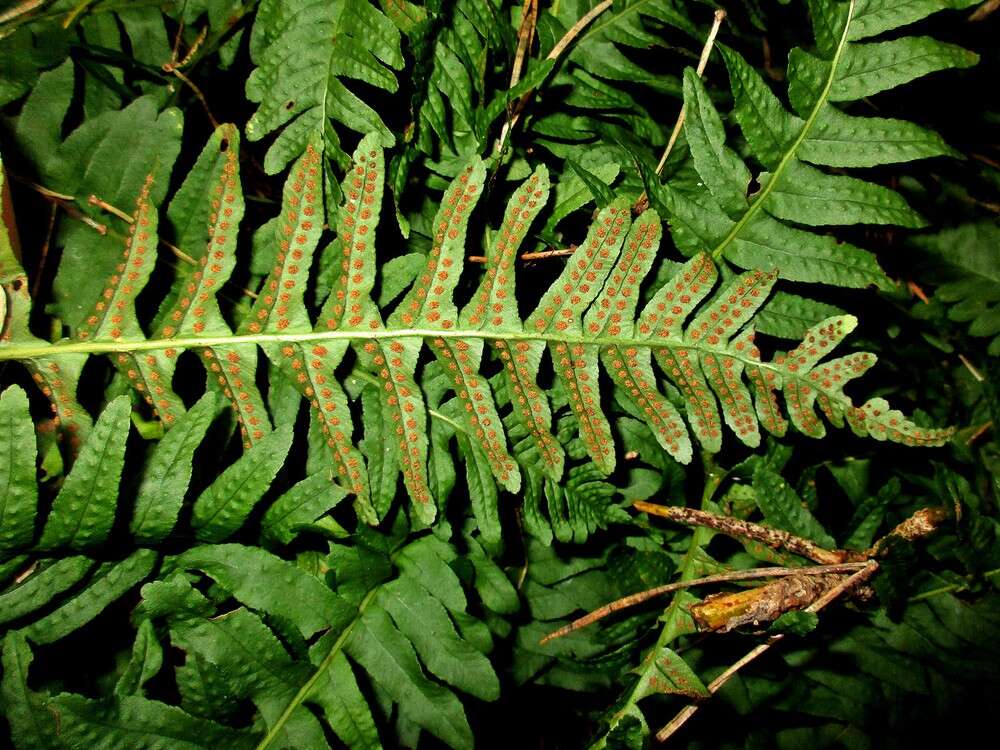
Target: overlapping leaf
304,50
758,231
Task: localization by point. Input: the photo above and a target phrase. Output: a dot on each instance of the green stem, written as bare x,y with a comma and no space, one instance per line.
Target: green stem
790,154
671,618
38,349
324,665
949,589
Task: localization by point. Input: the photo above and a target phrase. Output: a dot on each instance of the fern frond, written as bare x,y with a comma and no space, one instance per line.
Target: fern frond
701,338
400,619
304,50
756,232
964,259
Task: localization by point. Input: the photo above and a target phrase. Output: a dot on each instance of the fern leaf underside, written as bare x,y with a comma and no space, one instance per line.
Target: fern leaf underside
701,337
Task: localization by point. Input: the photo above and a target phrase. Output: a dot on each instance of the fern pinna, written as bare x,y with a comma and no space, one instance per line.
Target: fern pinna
699,332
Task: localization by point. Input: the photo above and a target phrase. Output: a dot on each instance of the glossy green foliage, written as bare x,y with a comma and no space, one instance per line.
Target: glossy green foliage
964,260
754,231
303,52
279,471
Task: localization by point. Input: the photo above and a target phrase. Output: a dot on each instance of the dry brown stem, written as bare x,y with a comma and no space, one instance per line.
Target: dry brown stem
560,46
844,586
733,575
728,611
720,15
735,527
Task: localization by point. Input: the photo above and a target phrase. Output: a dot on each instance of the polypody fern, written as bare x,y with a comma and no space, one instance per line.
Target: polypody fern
701,337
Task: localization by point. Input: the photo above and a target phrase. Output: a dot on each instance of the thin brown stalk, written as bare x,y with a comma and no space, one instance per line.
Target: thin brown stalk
557,253
830,596
26,573
525,34
984,11
720,16
19,10
733,575
561,252
575,30
706,51
918,292
986,160
201,97
115,211
735,527
980,431
67,204
177,43
93,200
971,368
174,64
63,201
43,253
775,74
44,191
560,46
76,12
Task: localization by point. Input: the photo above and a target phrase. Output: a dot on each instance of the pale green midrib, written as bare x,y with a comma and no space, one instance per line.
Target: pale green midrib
666,634
611,19
29,351
791,153
98,475
338,646
321,668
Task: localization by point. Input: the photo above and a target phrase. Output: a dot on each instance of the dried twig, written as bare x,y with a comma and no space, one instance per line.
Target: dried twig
918,292
724,612
643,203
571,34
200,96
985,10
43,254
971,368
65,202
922,523
733,575
561,252
76,12
19,10
775,74
979,432
985,160
68,204
174,66
26,573
525,34
124,216
831,595
720,16
115,211
774,538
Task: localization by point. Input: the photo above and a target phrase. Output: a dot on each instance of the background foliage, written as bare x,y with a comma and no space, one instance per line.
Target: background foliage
219,565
